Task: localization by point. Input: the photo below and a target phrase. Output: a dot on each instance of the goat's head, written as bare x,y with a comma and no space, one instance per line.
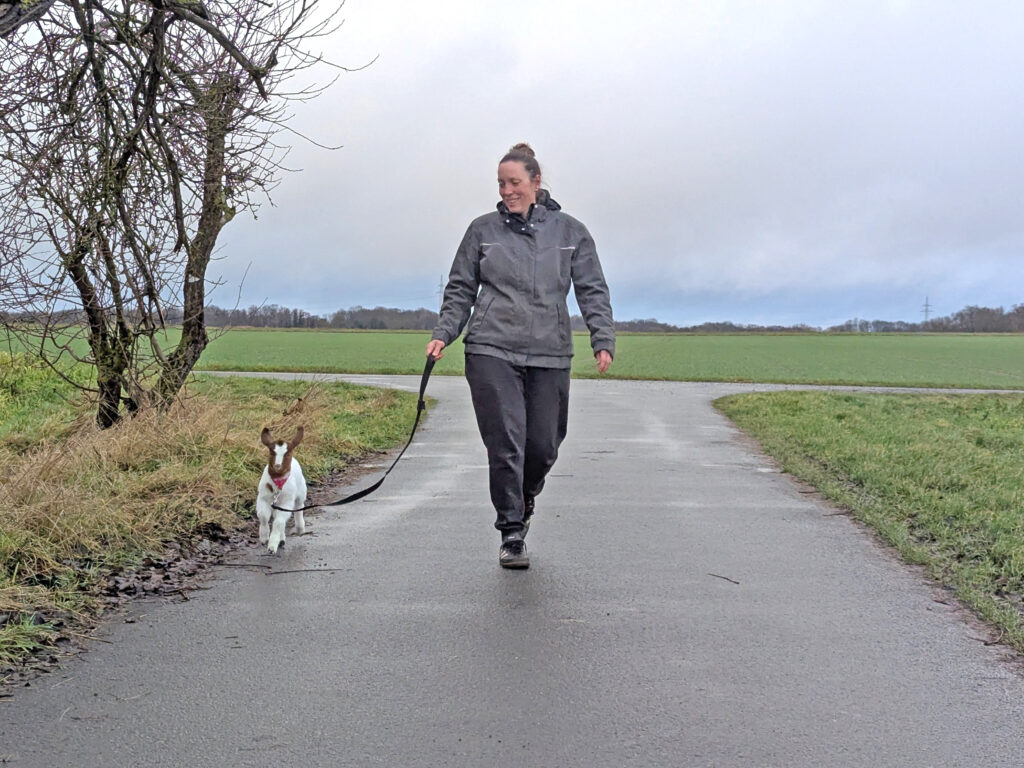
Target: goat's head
280,464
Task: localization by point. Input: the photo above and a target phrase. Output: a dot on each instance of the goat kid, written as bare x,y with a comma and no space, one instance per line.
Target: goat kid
284,485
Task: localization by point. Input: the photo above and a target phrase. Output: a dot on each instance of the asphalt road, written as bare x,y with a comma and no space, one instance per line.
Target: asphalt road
687,606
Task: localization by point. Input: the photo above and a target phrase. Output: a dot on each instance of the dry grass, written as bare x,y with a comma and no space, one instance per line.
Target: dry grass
123,490
82,503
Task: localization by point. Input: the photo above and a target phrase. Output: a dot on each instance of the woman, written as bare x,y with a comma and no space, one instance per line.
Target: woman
513,271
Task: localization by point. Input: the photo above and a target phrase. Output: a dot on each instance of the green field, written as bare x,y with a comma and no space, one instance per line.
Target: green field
972,361
954,360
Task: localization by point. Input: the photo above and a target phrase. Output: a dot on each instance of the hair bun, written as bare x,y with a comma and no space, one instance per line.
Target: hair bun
523,153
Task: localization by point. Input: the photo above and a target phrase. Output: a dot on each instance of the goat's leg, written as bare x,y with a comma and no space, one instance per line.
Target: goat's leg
300,501
277,530
263,513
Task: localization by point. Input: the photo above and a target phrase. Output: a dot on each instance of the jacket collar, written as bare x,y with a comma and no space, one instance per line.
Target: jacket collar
538,212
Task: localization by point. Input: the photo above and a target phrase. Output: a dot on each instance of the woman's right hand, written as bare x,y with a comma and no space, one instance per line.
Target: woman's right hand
434,349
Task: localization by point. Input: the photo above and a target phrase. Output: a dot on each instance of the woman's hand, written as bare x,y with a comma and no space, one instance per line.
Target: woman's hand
604,360
434,349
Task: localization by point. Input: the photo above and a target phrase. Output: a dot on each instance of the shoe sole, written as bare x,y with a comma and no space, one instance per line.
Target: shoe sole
517,564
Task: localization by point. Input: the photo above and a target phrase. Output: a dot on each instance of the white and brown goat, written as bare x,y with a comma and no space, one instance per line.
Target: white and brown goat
282,485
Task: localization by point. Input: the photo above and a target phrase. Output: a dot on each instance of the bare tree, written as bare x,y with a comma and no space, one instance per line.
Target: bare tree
15,13
131,132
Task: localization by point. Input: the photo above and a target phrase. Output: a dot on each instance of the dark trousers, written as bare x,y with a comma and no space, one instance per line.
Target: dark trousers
522,413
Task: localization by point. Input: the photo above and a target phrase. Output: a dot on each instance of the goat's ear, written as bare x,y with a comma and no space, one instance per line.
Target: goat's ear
295,440
266,439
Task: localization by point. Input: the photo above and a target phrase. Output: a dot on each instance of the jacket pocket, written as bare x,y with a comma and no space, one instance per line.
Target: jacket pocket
479,313
564,328
551,332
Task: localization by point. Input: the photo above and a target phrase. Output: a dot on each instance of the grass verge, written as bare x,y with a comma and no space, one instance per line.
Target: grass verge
79,504
938,476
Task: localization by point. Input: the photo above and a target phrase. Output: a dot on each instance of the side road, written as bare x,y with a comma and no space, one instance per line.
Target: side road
687,606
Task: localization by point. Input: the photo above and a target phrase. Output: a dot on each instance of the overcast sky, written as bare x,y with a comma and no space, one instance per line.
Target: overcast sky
759,162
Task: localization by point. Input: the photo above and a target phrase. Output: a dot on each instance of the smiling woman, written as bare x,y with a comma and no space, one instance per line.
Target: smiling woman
513,272
519,179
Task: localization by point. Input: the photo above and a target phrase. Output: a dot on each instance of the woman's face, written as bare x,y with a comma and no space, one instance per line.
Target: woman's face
515,186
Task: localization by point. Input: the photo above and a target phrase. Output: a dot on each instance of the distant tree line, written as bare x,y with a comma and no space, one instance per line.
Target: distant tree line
273,316
651,325
970,319
388,318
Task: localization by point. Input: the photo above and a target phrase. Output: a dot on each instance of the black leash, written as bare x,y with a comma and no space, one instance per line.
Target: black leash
420,407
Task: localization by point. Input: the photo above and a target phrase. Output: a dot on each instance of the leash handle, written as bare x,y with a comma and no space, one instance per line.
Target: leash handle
427,368
421,406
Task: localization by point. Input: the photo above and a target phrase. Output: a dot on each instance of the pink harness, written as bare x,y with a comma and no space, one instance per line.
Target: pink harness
280,481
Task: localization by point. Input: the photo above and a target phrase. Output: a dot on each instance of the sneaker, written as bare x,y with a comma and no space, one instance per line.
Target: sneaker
527,514
513,553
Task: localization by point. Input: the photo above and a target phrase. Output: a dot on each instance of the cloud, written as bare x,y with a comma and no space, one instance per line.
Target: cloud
726,156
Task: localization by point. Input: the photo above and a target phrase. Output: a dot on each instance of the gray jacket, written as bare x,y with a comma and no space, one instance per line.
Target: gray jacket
514,273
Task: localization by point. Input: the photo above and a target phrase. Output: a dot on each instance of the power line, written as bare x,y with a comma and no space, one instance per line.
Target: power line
927,309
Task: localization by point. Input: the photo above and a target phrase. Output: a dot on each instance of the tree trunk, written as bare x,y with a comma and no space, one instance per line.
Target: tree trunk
109,410
108,349
219,104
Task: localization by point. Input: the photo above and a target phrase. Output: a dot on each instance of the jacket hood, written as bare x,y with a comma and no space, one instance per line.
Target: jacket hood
544,198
